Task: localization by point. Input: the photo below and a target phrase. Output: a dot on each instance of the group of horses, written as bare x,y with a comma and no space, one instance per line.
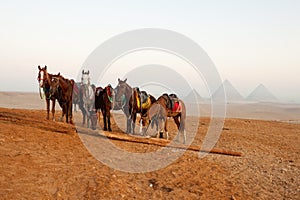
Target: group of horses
92,100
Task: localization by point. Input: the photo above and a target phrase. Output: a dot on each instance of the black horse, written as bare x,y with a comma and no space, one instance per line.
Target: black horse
103,102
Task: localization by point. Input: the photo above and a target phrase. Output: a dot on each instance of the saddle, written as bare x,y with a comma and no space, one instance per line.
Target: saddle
109,93
142,98
108,89
172,102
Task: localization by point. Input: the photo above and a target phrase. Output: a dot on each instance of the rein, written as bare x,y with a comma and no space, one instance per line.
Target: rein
41,93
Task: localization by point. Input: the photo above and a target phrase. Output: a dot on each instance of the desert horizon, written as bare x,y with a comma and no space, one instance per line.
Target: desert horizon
52,159
241,109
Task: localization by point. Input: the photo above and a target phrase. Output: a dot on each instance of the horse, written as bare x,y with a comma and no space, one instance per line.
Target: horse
76,95
169,106
87,97
103,102
44,79
63,88
132,101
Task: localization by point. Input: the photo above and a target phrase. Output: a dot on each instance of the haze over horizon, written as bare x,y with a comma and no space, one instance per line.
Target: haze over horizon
251,42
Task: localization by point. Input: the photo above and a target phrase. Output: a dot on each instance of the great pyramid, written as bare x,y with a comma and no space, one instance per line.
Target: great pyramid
230,92
261,93
193,97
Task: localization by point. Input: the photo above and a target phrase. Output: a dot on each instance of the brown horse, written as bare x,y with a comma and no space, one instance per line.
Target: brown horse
63,88
169,106
132,101
44,79
103,102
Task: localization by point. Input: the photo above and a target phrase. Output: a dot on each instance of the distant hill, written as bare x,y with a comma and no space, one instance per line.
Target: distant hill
231,93
261,93
193,97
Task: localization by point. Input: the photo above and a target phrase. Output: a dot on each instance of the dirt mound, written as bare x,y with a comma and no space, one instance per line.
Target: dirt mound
42,159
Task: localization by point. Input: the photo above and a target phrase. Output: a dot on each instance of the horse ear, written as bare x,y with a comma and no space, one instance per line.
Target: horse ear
58,74
119,80
83,71
88,72
45,67
39,67
125,80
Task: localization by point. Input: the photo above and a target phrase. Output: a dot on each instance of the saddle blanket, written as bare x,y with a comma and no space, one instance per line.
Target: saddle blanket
177,107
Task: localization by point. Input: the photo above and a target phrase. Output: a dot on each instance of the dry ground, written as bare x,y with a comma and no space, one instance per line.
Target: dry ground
42,159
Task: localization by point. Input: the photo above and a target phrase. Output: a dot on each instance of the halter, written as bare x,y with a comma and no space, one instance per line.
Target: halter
123,99
85,78
43,83
109,93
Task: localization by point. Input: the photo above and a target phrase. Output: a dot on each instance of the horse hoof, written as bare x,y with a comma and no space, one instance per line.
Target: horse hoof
109,130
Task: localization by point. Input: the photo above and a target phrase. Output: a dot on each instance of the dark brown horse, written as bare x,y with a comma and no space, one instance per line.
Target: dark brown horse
44,79
169,106
103,102
132,101
63,88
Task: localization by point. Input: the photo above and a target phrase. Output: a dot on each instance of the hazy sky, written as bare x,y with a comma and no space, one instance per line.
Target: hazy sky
250,41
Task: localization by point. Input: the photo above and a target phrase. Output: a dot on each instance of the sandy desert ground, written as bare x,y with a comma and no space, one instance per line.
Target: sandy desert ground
44,159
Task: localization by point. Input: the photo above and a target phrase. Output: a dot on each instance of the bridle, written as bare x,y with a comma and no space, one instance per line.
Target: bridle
122,100
41,84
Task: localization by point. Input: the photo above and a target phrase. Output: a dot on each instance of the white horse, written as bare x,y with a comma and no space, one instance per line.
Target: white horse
87,97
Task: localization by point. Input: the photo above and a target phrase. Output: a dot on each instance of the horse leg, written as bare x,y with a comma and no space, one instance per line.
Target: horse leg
128,125
133,117
75,110
83,118
166,124
53,109
67,112
108,118
62,113
98,115
178,126
88,120
71,112
182,128
47,107
104,120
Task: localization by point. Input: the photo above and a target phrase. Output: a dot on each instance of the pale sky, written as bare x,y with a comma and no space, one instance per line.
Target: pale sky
249,41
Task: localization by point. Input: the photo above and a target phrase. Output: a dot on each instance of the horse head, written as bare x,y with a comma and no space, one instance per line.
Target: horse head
54,84
42,76
85,77
122,91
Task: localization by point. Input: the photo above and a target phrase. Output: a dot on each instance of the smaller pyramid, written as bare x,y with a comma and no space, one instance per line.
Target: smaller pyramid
261,93
231,93
193,97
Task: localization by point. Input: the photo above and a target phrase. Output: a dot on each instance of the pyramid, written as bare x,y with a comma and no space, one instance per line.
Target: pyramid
231,93
261,93
193,97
